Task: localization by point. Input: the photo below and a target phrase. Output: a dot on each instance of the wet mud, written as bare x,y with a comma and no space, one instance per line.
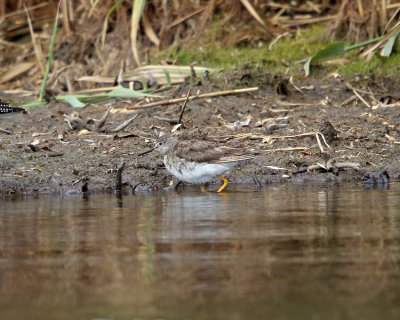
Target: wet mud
328,129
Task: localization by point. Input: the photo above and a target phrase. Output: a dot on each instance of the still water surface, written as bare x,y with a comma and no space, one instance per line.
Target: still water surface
285,252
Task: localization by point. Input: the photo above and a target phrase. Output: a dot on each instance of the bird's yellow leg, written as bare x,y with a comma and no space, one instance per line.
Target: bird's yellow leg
202,188
224,184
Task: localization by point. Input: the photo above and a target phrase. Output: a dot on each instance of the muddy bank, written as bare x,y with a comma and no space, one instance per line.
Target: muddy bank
280,123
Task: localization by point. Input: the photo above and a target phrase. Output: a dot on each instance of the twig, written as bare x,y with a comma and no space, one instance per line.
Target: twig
319,143
361,98
253,12
85,188
12,175
75,122
296,104
77,181
330,166
352,98
5,131
288,149
271,138
122,126
323,138
55,74
316,134
103,119
118,184
256,181
294,86
277,168
273,42
169,120
182,19
324,99
66,18
350,165
36,47
54,154
287,23
22,11
373,96
200,96
184,107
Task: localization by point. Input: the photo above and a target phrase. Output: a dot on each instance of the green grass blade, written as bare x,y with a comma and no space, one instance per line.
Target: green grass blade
34,104
95,98
364,44
138,7
109,13
80,100
125,93
51,49
388,47
74,101
329,51
168,78
144,83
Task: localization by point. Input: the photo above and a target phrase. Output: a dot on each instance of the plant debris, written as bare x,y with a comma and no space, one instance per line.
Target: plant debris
318,142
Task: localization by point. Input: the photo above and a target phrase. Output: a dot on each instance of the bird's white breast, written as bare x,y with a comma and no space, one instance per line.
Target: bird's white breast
195,172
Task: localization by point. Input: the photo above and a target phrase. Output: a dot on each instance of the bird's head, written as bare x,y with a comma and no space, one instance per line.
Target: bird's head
165,144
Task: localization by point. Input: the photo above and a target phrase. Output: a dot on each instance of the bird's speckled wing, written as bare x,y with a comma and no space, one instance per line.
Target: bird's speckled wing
201,151
233,158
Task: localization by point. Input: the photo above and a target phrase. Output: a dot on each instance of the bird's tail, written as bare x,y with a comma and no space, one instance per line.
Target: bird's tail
6,108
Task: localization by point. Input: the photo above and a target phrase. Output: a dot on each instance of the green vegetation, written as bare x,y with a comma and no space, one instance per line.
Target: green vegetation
287,52
213,54
80,100
380,66
277,38
41,102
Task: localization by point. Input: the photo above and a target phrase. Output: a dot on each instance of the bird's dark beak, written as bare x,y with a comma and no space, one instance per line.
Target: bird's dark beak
146,152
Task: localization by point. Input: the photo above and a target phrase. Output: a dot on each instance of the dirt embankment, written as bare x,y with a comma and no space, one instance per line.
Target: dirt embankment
290,127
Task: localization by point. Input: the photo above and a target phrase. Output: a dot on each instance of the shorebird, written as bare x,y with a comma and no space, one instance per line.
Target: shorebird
197,162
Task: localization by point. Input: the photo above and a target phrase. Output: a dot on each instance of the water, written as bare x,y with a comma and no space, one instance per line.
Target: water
286,252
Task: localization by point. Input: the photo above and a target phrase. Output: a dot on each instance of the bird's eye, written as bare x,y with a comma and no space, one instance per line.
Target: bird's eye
160,143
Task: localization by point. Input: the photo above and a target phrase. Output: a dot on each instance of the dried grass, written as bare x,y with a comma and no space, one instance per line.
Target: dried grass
95,40
360,20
